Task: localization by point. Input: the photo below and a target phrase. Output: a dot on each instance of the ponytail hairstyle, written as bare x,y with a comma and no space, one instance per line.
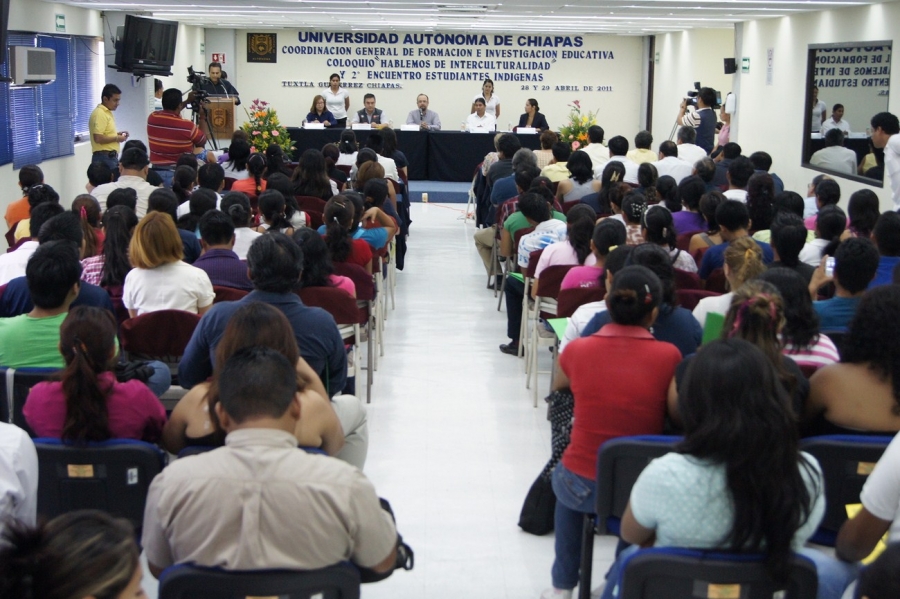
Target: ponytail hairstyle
183,182
271,206
275,160
339,218
830,224
608,234
616,195
85,553
238,154
708,203
202,201
732,407
256,166
87,209
580,225
761,201
659,227
348,145
237,205
633,207
317,267
667,191
647,178
635,292
32,175
744,258
87,341
613,172
118,223
42,193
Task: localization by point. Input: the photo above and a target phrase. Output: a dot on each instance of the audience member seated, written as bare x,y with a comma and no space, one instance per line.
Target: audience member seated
687,149
297,501
19,463
29,176
575,250
184,180
159,280
801,338
827,193
669,163
830,225
372,225
511,219
237,206
348,148
621,394
193,421
615,197
505,187
85,553
544,155
739,172
218,260
742,262
272,210
371,176
32,339
292,212
886,236
390,152
834,156
733,219
788,236
87,403
311,178
689,218
606,236
658,228
164,201
317,267
202,201
604,275
547,230
726,156
855,264
667,192
37,195
788,202
633,207
332,154
762,162
709,203
863,211
596,150
275,264
862,392
618,149
12,264
339,219
98,174
642,152
558,171
705,168
725,492
647,178
238,155
134,165
761,201
255,182
613,174
16,299
673,323
86,208
582,181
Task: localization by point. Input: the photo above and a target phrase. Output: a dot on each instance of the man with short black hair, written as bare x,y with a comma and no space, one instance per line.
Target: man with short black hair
134,165
218,258
210,176
642,152
886,236
702,120
669,163
705,168
123,196
12,264
596,150
836,122
885,130
219,508
834,156
164,200
827,193
739,172
105,139
687,149
507,146
730,151
557,170
733,218
762,162
788,236
855,264
217,86
369,114
618,151
170,136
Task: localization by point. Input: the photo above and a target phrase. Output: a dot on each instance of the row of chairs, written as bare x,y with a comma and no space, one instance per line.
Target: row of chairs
846,462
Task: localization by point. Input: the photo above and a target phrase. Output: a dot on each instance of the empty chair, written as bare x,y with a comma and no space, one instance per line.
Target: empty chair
191,582
14,391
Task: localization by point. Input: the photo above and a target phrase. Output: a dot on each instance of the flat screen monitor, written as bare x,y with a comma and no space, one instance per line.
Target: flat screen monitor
146,46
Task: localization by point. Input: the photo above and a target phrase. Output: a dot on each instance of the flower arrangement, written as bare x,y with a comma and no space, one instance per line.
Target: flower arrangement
264,128
575,131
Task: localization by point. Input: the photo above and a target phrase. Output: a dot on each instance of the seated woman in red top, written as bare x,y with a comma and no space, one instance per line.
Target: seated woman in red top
255,183
619,377
86,403
339,218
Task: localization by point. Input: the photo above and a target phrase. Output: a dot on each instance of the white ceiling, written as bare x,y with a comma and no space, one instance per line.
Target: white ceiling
628,17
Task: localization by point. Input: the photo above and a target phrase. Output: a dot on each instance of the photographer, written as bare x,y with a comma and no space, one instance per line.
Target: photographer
703,119
217,86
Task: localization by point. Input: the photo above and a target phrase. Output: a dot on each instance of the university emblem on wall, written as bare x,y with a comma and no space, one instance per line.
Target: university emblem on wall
262,47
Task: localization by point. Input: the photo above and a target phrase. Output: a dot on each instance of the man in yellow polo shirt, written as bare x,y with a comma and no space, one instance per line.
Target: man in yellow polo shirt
105,139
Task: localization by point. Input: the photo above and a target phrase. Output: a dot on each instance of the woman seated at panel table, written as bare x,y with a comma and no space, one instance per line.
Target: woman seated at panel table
532,116
319,114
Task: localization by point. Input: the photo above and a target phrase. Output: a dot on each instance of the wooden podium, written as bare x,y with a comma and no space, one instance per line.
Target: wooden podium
221,117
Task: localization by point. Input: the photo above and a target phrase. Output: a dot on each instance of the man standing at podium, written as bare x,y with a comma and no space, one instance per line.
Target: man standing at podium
217,87
170,136
426,119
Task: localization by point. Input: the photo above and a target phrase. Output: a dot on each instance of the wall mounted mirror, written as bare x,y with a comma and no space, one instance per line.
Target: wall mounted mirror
847,84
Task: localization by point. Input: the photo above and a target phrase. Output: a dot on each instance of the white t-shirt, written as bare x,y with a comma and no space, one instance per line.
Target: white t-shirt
691,153
717,304
812,252
631,168
892,167
881,493
580,319
173,286
346,159
739,195
334,101
12,264
490,106
817,111
230,173
18,475
243,238
829,124
481,123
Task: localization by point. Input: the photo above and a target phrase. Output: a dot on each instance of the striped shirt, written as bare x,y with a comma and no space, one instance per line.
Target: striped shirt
822,353
170,136
92,269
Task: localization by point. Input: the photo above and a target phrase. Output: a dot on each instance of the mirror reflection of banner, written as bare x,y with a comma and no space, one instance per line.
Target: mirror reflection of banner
857,77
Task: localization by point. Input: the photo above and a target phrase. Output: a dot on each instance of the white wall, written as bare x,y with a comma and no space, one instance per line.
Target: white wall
770,118
686,57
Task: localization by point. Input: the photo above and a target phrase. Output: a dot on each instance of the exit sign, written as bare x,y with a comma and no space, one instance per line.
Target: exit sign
218,57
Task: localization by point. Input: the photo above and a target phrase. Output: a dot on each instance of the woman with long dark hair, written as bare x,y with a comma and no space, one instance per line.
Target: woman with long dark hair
348,147
613,173
708,204
339,220
582,182
761,201
658,228
281,182
332,154
183,182
317,268
576,249
109,268
86,403
389,150
238,154
87,209
647,178
863,210
276,161
237,206
727,486
271,208
255,182
831,222
310,178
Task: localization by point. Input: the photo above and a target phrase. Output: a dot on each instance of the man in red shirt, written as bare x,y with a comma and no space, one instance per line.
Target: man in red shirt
170,136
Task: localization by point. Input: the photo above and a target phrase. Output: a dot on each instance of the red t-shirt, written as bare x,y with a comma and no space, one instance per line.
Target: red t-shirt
619,377
169,136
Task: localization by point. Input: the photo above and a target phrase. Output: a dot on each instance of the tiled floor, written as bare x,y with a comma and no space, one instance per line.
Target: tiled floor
455,442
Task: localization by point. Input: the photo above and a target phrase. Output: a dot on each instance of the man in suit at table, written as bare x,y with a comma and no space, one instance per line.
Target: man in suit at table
370,114
428,120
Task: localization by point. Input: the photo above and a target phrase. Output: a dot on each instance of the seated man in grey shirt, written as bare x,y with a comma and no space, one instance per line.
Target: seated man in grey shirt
426,119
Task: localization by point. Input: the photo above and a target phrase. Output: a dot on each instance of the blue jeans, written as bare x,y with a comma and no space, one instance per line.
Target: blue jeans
575,497
166,175
161,379
111,161
833,574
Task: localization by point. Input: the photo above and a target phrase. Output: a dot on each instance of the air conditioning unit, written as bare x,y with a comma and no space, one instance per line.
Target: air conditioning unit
32,66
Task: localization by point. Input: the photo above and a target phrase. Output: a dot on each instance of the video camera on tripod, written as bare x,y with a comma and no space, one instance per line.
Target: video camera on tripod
690,98
197,95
